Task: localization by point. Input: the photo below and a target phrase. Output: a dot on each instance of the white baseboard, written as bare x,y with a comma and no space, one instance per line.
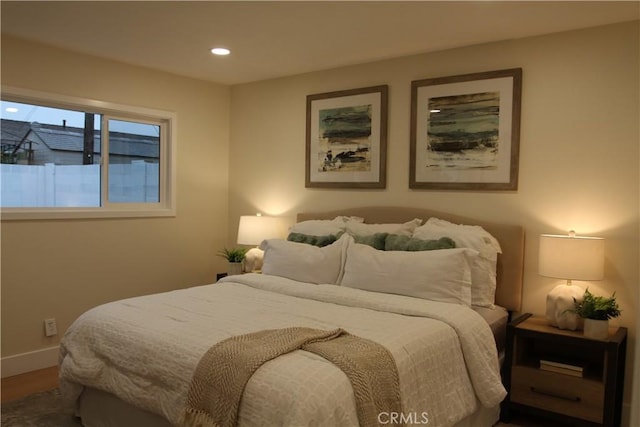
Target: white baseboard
31,361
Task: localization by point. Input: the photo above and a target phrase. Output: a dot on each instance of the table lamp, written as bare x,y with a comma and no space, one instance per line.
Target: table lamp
569,257
252,230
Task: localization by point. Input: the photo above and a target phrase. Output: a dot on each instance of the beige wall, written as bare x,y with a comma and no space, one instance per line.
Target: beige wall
579,148
61,268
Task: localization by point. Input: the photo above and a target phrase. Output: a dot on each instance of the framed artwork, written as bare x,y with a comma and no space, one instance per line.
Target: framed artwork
465,131
347,139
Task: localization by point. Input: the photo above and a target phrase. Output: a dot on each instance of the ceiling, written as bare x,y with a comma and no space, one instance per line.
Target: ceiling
271,39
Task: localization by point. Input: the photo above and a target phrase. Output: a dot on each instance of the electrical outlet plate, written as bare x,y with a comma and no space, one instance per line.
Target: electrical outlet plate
50,328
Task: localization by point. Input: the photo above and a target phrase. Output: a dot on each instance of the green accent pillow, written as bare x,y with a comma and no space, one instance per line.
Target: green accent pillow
395,242
376,241
319,241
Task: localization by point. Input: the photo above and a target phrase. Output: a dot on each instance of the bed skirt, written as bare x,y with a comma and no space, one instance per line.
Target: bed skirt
100,409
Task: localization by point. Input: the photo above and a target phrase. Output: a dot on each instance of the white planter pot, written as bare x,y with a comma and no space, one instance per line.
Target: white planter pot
234,268
596,329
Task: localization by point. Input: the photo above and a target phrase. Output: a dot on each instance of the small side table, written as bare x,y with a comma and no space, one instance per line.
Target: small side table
586,391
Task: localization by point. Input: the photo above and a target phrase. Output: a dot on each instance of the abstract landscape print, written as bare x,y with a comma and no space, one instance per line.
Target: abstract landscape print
345,139
463,131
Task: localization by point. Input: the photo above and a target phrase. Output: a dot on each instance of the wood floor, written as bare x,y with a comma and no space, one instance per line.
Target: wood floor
23,385
529,421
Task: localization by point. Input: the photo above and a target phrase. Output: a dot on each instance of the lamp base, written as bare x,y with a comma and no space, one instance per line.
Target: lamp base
559,300
253,260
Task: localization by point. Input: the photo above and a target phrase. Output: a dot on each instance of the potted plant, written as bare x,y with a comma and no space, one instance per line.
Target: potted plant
596,312
234,257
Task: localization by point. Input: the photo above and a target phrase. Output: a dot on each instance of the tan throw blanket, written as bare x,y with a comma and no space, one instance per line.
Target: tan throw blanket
222,373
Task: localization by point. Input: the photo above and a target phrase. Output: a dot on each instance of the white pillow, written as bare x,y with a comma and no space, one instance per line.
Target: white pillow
473,230
323,227
303,262
443,275
360,229
483,268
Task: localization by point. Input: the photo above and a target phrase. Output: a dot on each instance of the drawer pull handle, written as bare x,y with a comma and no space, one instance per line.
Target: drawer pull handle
552,394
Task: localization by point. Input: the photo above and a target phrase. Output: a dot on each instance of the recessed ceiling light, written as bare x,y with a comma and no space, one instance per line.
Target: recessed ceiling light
220,51
11,110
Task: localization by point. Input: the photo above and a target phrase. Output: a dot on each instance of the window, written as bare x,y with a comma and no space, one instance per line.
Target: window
66,157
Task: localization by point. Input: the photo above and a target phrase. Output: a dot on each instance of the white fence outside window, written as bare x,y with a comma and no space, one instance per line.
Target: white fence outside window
50,185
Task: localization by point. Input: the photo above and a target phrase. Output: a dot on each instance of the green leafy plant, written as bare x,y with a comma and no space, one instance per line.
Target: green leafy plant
233,254
596,307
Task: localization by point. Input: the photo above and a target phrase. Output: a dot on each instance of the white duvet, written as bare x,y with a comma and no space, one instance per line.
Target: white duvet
144,351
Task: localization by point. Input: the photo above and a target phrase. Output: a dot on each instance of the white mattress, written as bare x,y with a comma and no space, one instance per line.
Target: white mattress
497,319
144,350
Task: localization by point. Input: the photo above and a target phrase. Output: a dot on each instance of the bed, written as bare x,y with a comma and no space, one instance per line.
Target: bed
131,362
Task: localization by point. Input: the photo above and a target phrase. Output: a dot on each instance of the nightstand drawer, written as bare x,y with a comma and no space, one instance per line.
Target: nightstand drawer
564,394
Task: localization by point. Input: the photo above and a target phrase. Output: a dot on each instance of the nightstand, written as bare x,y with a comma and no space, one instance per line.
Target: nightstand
562,375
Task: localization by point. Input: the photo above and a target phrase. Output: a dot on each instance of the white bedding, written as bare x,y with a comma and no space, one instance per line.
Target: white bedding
144,350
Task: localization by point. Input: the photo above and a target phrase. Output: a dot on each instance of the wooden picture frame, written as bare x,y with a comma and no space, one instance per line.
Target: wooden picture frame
346,139
465,131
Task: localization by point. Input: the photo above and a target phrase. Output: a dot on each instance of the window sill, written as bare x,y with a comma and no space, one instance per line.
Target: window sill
17,214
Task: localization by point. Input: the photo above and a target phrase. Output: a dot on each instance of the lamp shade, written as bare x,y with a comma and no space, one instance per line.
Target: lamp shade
571,257
253,229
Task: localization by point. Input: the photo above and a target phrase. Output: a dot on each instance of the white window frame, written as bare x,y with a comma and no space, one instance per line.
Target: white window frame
166,207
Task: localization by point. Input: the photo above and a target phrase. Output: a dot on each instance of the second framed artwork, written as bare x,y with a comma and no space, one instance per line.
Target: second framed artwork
465,131
346,137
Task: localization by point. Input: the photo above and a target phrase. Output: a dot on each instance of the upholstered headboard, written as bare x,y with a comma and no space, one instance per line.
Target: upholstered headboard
511,238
